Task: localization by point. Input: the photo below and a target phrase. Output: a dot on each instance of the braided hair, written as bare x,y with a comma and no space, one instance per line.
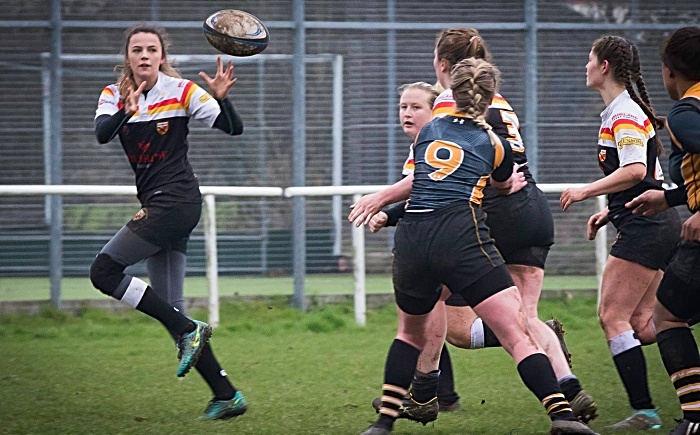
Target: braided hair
623,57
454,45
474,83
126,75
681,52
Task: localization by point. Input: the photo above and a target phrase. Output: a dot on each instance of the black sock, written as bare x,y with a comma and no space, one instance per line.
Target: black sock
152,305
446,385
214,375
490,339
679,353
632,368
537,374
398,374
570,387
425,385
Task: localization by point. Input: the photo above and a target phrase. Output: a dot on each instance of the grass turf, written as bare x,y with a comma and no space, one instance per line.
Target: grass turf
313,373
19,289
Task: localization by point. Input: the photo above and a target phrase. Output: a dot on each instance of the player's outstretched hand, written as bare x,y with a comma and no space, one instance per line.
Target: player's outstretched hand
131,99
648,203
222,81
570,196
362,211
378,221
596,222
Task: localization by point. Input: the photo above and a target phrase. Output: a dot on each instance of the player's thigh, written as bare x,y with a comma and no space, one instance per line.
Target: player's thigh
623,287
679,290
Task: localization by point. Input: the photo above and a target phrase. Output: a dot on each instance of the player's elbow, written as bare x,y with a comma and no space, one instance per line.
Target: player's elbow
102,138
636,171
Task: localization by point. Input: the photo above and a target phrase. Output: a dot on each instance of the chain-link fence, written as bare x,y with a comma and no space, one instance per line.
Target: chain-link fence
541,47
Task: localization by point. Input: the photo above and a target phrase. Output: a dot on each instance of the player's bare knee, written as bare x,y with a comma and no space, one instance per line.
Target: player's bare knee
106,274
459,337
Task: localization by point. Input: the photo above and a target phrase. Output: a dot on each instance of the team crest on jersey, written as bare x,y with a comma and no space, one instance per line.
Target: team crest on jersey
162,127
601,155
142,214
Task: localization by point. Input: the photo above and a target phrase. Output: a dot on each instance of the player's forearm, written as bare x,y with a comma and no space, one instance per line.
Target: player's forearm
106,126
621,179
399,191
228,121
394,212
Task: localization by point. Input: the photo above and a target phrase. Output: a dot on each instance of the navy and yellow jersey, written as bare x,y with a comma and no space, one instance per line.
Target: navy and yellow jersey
683,122
155,137
626,136
502,119
454,158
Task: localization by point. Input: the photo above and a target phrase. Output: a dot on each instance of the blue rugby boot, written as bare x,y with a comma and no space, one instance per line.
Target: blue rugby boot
191,345
225,409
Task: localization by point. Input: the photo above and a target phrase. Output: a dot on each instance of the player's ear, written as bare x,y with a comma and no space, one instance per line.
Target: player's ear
606,66
443,65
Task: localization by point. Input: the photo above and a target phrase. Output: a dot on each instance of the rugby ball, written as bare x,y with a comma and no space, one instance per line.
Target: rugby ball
236,32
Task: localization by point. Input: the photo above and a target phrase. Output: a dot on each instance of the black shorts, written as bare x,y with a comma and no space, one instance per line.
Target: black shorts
679,290
449,246
521,225
166,226
648,240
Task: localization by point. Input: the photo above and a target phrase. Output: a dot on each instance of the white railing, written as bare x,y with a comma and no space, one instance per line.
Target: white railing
210,232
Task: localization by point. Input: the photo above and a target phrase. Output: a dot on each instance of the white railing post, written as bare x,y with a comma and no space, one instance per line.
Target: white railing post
212,258
601,246
358,245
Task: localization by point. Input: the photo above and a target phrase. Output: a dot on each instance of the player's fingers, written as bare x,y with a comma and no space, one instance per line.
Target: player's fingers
205,77
140,89
219,66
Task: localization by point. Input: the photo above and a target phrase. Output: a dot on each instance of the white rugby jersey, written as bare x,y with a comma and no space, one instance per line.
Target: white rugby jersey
627,136
624,136
155,137
169,97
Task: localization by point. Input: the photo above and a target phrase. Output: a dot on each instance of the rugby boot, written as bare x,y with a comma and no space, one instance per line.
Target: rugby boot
191,345
412,410
685,427
420,412
642,419
225,409
584,406
564,427
558,329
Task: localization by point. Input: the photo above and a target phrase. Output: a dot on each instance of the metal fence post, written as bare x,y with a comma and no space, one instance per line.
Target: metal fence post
358,244
601,246
212,258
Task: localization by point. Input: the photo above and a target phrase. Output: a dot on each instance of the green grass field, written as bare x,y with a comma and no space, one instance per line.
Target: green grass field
18,289
313,373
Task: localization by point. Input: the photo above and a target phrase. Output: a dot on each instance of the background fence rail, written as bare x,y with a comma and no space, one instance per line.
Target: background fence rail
211,233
